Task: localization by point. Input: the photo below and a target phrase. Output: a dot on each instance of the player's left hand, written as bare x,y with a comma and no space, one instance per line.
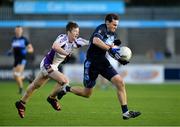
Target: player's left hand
123,62
67,58
117,42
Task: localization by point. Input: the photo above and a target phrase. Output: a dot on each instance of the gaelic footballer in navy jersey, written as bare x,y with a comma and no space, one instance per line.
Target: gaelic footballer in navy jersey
20,46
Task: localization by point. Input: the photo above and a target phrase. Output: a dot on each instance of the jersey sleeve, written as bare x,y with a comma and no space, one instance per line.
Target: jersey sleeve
26,41
60,40
99,32
81,42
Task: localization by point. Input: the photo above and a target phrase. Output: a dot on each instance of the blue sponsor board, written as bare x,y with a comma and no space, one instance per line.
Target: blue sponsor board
90,24
68,6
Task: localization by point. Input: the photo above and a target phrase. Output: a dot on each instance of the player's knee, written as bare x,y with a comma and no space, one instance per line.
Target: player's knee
118,81
121,81
36,85
64,81
17,74
87,93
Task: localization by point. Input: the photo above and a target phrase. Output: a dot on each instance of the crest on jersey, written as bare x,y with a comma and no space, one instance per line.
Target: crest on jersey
99,31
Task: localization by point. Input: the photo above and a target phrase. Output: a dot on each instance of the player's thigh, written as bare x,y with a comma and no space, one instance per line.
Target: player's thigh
21,67
40,79
59,77
18,68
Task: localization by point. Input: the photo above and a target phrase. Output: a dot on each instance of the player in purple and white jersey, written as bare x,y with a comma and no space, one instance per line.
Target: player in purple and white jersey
61,49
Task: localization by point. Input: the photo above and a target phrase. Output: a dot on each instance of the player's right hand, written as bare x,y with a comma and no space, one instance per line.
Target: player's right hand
9,53
113,52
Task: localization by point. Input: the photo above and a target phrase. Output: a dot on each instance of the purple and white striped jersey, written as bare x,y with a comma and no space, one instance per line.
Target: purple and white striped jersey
54,59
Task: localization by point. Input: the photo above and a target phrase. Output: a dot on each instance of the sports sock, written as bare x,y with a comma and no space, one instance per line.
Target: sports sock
20,90
124,108
68,88
22,102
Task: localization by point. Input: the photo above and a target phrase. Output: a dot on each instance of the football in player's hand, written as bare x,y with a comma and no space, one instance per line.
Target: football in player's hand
125,53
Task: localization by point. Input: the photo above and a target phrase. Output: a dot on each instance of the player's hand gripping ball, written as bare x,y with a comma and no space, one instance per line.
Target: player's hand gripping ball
121,54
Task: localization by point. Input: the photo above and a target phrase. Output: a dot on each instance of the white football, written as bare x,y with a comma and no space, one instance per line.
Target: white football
125,53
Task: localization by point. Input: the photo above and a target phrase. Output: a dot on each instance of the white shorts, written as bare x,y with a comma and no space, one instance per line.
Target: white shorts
44,70
113,62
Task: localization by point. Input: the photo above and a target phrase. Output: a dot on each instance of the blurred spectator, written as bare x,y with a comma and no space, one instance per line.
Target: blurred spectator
159,55
167,53
156,55
150,54
82,56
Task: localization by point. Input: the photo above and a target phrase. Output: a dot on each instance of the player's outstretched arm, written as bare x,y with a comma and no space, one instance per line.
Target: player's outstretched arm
98,42
58,49
81,42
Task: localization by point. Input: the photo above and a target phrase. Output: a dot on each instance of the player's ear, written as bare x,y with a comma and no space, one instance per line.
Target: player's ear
107,22
68,32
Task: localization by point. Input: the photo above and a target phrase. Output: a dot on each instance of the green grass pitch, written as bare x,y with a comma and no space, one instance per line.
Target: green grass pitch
159,104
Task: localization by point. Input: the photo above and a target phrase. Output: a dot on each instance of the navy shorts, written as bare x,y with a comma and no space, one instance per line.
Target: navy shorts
92,68
19,61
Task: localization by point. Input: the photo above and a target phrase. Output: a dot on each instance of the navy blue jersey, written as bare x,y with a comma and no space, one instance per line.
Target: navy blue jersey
96,62
19,46
94,52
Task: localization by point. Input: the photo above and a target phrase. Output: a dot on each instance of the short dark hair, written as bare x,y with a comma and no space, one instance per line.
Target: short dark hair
71,25
111,16
18,26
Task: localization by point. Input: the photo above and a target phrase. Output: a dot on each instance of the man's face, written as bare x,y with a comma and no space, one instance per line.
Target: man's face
73,34
112,26
18,31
